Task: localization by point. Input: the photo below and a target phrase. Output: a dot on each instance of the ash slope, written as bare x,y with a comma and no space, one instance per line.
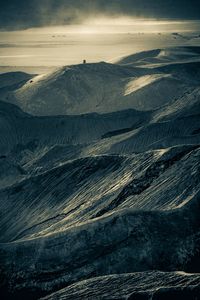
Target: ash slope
158,285
127,240
89,197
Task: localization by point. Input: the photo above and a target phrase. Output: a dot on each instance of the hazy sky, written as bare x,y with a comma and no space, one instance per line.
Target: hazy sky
21,14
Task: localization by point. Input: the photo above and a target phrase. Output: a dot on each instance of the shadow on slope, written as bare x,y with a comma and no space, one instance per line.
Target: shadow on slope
19,129
127,241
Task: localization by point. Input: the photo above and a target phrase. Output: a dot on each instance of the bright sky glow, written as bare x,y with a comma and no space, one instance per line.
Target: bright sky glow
110,25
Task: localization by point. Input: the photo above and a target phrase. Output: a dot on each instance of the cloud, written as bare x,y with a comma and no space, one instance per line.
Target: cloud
15,14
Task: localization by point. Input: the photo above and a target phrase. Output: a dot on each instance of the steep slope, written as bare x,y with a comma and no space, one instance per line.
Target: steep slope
127,240
185,106
49,199
98,185
163,182
135,286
